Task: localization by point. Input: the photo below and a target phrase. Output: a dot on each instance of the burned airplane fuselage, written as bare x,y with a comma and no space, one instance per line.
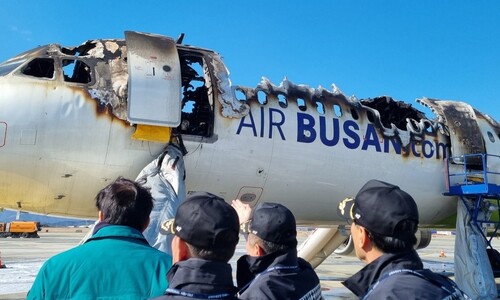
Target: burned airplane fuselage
66,130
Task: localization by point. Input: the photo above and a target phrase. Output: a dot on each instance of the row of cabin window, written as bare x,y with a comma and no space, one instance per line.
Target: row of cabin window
74,70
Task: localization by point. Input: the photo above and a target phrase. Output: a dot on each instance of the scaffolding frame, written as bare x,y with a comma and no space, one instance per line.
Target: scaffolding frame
482,185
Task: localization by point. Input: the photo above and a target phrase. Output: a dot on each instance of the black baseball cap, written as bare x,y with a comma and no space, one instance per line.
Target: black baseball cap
274,223
205,221
379,207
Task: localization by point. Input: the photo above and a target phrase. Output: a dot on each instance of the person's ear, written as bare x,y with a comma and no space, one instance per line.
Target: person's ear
180,250
259,250
101,216
146,224
364,239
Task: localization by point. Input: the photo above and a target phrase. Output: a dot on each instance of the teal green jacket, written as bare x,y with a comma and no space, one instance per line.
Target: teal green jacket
115,263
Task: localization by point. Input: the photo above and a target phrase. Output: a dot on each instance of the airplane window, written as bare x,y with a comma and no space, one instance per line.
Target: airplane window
282,101
491,136
76,71
370,116
262,97
428,127
354,114
6,68
320,107
302,104
240,95
40,67
337,110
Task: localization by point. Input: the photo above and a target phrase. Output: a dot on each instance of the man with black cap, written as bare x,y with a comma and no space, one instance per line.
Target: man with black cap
384,222
206,231
271,268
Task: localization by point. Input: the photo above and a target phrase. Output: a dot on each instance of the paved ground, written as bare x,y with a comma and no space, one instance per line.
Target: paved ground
24,257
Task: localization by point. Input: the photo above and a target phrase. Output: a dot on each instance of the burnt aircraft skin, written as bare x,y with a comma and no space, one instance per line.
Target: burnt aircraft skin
257,140
393,119
109,88
463,121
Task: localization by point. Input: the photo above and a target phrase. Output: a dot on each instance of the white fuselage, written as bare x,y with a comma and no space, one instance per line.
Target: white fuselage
62,139
58,151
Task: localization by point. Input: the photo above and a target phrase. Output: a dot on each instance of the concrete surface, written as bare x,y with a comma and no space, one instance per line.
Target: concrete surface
24,257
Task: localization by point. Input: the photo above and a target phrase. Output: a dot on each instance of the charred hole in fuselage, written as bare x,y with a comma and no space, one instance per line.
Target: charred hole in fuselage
70,51
240,95
197,112
262,97
369,115
393,112
441,128
76,71
40,67
283,102
428,128
301,103
354,114
320,107
413,122
337,110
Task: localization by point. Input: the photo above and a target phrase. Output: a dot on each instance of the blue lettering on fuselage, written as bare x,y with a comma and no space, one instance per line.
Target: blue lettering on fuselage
428,149
322,132
272,123
332,133
371,139
276,119
305,128
395,146
251,124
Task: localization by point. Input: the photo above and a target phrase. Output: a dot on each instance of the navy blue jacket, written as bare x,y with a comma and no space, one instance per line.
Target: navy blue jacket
279,275
402,285
200,277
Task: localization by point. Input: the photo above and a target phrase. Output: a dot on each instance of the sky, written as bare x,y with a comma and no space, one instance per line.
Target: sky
403,49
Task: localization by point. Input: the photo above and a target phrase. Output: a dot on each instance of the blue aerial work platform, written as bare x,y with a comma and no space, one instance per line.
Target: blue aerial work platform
475,178
478,181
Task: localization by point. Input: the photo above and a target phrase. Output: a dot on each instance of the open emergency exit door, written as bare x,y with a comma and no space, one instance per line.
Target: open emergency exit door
154,82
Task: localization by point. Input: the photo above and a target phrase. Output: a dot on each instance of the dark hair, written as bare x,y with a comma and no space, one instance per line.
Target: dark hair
403,242
222,254
125,202
268,247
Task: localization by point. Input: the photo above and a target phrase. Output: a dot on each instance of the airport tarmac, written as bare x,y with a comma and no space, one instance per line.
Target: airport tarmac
24,257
